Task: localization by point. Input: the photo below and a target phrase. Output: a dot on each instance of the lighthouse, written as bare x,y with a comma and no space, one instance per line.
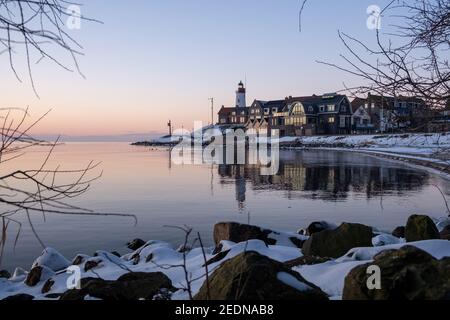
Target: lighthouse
240,96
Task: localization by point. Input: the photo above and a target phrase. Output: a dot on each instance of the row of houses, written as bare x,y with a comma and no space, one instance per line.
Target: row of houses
331,114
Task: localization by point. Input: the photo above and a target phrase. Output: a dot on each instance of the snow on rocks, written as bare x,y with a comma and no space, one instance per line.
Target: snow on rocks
48,279
51,259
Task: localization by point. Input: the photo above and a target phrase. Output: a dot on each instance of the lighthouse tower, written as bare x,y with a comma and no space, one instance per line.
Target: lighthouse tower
240,96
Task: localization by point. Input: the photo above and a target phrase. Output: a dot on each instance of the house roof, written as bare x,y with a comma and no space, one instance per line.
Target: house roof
225,111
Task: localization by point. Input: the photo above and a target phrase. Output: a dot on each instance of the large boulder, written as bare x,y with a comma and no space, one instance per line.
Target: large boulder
316,227
135,244
406,274
420,228
38,274
237,232
445,233
19,298
399,232
51,259
131,286
251,276
335,243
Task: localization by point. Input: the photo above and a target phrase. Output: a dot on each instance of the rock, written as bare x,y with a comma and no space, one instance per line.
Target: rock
218,257
38,274
116,254
52,259
91,264
305,260
19,297
335,243
236,232
47,286
399,232
406,274
19,275
297,242
135,244
131,286
318,226
385,239
420,228
79,259
5,274
251,276
445,234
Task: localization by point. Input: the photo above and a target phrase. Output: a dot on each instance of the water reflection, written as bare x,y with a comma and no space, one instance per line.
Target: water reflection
327,176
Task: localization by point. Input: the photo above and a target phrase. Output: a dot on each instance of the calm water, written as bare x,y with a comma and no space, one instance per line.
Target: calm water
311,185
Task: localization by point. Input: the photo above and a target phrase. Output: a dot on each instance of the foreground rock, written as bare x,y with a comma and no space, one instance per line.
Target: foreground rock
5,274
408,273
236,232
399,232
335,243
52,259
251,276
38,274
316,227
420,228
131,286
445,233
135,244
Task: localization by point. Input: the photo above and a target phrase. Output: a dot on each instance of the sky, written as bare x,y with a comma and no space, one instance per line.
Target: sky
150,61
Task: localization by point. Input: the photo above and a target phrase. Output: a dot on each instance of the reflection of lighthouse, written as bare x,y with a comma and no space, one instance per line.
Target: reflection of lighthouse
240,96
240,186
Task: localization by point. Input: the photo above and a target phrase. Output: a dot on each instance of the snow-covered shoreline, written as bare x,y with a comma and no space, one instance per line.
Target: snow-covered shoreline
155,257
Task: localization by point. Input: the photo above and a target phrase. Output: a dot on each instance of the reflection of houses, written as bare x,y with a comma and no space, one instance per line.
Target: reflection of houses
324,175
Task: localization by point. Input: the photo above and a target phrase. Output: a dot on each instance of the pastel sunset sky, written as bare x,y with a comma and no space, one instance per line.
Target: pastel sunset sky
151,61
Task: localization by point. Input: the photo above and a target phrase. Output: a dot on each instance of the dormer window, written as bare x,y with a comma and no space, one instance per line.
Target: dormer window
266,110
331,108
322,108
310,109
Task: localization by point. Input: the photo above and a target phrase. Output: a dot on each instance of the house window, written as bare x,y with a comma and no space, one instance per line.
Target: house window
311,109
297,109
274,110
233,113
252,111
243,113
321,108
331,108
342,122
331,120
343,109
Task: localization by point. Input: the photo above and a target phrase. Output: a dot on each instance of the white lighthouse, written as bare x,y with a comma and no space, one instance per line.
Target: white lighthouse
240,96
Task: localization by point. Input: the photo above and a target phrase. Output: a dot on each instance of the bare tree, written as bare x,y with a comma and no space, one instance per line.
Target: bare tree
409,60
40,28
